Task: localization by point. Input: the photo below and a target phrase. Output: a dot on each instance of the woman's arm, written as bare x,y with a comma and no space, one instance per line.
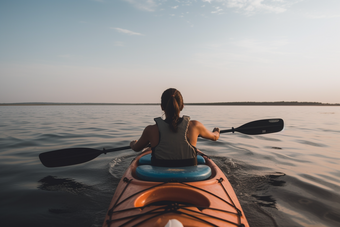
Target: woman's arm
150,135
138,145
205,133
196,129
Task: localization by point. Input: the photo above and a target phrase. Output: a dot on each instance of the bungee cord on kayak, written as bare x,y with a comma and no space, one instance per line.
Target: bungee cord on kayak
165,207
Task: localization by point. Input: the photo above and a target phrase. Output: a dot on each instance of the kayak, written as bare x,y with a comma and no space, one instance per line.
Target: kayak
174,196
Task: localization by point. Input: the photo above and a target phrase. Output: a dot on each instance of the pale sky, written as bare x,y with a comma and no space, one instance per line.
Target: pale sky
116,51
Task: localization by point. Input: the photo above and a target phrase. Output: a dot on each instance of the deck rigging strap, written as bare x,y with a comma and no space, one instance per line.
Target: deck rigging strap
128,182
238,211
232,204
169,206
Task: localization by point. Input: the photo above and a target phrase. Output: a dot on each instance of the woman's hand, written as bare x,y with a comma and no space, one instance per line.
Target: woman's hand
216,131
132,143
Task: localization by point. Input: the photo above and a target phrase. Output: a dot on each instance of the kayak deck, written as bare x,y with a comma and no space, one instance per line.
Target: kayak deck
210,202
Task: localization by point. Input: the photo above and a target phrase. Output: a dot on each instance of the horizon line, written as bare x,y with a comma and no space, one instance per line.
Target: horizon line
281,103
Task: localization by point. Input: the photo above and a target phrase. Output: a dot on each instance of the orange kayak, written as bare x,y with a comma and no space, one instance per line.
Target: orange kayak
178,196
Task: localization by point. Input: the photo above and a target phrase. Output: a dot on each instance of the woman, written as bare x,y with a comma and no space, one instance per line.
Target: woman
173,140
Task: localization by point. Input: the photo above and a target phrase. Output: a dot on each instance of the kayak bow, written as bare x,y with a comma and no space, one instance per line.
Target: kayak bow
208,200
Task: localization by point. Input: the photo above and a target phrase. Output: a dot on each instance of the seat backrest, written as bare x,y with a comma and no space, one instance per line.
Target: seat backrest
176,174
146,160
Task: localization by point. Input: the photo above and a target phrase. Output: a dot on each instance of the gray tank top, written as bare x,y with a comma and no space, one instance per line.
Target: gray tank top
173,145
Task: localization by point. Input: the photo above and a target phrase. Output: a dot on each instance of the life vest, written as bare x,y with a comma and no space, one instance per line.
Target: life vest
173,148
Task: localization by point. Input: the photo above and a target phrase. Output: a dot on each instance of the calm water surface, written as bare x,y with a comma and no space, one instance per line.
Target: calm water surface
290,178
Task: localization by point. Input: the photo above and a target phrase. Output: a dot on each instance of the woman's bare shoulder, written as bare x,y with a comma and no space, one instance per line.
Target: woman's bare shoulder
195,123
151,128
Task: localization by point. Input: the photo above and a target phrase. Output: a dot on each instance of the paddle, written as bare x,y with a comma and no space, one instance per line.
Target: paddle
73,156
258,127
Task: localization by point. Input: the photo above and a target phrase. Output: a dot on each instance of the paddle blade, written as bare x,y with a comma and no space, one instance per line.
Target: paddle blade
69,156
261,127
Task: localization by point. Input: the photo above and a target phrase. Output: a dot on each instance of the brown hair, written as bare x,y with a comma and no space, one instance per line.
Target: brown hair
172,104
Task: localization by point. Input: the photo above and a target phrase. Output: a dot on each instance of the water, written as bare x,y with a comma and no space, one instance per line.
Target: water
290,178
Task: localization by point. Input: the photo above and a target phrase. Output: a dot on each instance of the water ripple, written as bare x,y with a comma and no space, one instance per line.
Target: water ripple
310,143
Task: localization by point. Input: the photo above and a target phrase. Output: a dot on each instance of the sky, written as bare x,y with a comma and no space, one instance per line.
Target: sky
130,51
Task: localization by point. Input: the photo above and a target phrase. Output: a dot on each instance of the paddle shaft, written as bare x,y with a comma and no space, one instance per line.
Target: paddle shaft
72,156
115,149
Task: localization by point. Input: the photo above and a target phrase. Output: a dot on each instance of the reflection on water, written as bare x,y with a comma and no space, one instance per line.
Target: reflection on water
265,201
284,179
51,183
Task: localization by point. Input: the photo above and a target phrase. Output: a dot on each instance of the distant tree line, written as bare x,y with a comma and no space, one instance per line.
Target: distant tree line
280,103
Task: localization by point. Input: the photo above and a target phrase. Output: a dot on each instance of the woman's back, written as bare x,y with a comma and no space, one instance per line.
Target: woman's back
172,139
173,145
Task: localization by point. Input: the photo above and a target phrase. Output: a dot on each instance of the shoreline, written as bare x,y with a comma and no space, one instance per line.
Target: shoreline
281,103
